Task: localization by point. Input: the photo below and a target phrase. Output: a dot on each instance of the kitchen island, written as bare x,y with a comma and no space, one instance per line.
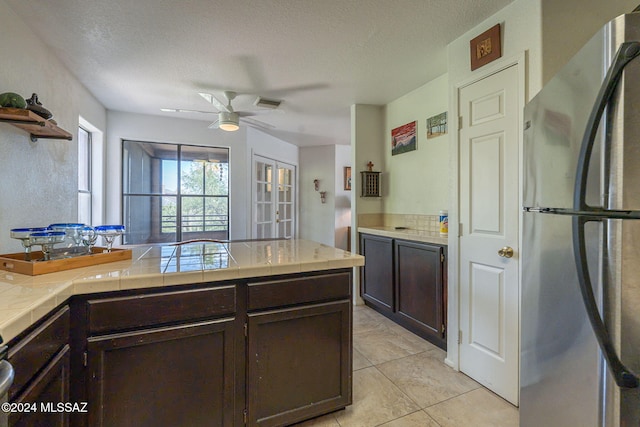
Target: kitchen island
255,333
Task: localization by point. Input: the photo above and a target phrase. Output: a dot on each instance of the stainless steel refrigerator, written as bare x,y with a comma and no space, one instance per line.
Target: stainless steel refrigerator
580,300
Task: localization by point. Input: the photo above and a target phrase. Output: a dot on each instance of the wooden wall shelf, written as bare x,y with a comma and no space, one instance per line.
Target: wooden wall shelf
34,124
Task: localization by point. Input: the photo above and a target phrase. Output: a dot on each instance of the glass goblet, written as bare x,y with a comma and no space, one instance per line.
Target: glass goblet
89,237
46,239
109,233
72,231
22,234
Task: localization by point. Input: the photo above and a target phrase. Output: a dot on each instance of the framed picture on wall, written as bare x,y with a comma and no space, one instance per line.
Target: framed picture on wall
403,138
437,125
347,178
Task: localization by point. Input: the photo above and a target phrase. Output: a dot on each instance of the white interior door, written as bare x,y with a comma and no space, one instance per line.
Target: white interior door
489,213
273,199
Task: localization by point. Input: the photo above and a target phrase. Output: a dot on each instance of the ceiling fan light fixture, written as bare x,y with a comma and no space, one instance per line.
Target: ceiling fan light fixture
228,121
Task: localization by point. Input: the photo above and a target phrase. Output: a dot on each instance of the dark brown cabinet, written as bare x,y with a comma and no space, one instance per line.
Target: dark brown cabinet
40,358
178,376
414,274
163,358
377,273
419,289
298,349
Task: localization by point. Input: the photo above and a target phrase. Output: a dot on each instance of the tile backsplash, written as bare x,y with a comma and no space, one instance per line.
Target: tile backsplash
411,221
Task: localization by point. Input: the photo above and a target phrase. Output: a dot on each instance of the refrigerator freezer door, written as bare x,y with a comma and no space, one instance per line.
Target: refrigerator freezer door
560,362
554,123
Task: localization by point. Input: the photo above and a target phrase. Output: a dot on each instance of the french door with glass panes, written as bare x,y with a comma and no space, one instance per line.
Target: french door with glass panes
273,197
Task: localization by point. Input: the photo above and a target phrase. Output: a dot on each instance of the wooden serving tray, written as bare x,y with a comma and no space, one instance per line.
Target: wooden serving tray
16,263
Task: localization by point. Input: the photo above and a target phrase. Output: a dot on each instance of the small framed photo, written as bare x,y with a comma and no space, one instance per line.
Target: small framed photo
403,138
437,125
486,47
347,178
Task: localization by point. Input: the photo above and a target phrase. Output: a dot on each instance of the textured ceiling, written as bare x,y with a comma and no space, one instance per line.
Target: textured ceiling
318,56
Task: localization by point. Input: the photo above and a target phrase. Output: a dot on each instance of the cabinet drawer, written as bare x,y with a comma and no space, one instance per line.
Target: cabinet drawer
120,313
29,355
279,293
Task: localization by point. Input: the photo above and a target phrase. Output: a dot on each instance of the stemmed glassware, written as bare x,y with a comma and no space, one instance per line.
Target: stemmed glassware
23,234
72,231
109,233
46,239
89,237
80,238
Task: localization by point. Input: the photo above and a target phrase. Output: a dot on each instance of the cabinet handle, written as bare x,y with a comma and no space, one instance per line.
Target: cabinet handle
6,377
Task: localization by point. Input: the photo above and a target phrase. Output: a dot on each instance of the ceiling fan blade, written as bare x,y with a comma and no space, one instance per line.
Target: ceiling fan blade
247,113
257,123
214,125
215,102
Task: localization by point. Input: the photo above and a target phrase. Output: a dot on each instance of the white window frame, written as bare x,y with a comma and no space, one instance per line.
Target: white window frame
96,169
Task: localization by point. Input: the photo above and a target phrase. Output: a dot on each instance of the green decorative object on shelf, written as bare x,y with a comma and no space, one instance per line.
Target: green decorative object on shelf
12,100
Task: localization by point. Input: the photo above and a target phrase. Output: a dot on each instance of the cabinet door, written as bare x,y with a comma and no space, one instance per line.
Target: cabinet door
173,376
377,273
49,387
33,352
299,363
419,300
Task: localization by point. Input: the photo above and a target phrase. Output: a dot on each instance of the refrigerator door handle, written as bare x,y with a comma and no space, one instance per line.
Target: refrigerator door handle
621,374
625,54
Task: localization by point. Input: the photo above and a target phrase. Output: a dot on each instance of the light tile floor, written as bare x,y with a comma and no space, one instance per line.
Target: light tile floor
400,380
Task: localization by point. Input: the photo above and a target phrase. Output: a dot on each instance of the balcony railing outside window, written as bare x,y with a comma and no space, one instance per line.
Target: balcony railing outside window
174,192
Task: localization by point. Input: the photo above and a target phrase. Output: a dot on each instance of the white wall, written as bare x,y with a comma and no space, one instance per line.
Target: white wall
416,182
39,180
325,222
317,219
241,144
140,127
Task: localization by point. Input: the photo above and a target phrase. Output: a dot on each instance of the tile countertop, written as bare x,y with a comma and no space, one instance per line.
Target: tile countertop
424,236
25,299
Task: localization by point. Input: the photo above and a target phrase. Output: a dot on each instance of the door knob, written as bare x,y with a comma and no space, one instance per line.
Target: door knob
506,252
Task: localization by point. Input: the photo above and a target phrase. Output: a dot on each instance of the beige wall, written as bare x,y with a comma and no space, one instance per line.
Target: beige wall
367,144
416,182
521,32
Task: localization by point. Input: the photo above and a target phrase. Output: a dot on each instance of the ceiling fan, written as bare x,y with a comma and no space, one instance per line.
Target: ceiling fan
229,119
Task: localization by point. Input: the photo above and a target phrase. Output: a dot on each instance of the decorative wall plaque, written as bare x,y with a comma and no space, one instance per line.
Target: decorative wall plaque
486,47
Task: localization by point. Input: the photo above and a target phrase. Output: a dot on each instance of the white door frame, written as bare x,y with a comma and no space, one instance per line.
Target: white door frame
453,287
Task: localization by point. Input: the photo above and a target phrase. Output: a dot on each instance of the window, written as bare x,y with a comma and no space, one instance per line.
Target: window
174,192
84,176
